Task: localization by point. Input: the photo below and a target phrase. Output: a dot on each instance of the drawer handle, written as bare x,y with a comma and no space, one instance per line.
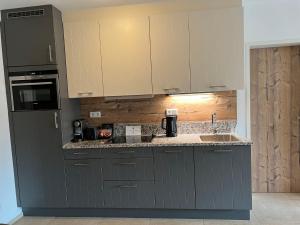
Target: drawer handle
128,186
81,164
127,164
80,153
222,151
128,152
174,151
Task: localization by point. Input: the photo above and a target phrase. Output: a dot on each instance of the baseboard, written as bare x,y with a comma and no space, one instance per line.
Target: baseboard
141,213
16,219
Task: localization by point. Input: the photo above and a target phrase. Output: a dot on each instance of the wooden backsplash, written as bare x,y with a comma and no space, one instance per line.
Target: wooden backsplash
152,110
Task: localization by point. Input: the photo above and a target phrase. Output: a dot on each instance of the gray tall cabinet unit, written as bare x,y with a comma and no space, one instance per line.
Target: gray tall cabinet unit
33,40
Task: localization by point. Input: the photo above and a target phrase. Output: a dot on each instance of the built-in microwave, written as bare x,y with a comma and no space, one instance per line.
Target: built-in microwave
34,92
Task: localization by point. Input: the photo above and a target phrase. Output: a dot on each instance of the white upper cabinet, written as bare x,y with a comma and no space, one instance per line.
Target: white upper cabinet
217,50
170,53
125,48
83,58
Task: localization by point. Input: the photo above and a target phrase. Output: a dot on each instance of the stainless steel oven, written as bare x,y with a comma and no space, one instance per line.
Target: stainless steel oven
34,92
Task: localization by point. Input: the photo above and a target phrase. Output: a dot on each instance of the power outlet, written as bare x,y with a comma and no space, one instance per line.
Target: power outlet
95,115
171,112
133,130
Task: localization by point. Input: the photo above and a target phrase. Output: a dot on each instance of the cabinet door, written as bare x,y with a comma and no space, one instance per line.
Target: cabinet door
174,178
30,39
125,48
217,50
40,163
223,177
84,183
83,58
170,53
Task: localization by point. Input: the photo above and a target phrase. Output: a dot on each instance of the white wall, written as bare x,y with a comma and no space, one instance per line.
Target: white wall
8,202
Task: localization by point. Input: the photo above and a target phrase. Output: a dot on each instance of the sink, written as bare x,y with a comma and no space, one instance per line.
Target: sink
219,138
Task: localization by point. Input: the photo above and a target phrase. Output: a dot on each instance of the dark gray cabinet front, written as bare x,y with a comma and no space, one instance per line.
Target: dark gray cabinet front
84,183
223,177
40,163
174,177
29,38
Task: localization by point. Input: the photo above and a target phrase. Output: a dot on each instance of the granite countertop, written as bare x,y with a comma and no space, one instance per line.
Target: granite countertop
159,141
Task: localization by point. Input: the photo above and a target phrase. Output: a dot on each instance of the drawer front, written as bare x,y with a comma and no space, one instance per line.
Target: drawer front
128,169
123,153
83,154
129,194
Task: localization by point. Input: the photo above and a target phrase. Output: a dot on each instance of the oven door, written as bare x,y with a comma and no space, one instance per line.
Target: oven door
34,92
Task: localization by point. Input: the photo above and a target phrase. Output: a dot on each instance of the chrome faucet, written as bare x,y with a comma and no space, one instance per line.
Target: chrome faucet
213,123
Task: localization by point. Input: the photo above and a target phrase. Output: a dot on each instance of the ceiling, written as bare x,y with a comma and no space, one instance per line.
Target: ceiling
69,4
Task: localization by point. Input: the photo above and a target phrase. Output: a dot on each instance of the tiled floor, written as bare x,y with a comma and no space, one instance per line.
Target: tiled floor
268,209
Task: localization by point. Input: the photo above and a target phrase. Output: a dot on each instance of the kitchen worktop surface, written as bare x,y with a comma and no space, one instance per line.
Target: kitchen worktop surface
158,141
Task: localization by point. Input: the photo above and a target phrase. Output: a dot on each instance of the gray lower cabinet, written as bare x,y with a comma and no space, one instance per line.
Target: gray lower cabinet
129,194
84,183
40,162
223,177
174,177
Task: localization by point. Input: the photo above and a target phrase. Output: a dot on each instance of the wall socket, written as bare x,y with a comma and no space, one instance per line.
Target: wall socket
133,130
171,112
95,115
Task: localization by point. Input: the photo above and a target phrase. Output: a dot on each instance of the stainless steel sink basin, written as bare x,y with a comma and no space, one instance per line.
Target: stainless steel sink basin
219,138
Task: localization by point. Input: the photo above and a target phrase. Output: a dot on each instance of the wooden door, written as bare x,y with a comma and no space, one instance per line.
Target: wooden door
83,59
125,47
217,50
170,54
275,110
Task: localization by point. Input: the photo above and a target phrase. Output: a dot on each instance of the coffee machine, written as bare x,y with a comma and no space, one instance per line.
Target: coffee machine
78,127
170,125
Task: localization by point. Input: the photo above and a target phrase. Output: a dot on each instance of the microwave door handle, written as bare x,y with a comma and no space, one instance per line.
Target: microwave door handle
31,84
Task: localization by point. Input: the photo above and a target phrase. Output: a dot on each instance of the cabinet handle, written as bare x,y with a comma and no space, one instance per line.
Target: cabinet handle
217,86
128,186
173,151
80,153
85,93
127,164
222,151
55,120
128,152
81,164
50,53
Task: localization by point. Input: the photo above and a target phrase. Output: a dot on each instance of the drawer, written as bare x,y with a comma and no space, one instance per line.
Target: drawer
83,154
128,169
121,153
129,194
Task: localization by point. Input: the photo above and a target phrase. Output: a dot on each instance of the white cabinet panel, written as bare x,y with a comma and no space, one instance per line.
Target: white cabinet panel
217,50
170,53
125,48
83,59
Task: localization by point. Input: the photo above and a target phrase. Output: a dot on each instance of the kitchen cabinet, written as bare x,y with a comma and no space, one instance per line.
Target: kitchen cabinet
29,35
40,163
217,50
125,49
174,178
223,177
83,59
170,54
84,183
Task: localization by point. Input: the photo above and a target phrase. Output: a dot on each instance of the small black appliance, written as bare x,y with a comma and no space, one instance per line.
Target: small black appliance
170,125
78,127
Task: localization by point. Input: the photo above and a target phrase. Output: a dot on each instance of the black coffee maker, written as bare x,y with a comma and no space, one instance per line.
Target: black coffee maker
170,125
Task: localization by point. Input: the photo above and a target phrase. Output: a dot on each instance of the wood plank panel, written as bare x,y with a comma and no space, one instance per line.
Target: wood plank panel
190,108
275,98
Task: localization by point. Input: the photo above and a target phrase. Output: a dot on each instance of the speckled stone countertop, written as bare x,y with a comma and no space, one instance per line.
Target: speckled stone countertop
159,141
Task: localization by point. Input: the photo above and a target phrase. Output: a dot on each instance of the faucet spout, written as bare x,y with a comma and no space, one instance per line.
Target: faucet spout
213,123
